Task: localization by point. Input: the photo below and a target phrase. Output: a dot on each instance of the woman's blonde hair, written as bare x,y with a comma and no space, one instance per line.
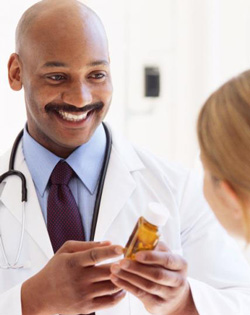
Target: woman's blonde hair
224,137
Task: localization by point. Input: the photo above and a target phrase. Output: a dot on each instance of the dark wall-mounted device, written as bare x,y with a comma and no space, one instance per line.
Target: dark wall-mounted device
152,81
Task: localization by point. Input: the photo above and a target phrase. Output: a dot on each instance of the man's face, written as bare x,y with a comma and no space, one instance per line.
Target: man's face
67,84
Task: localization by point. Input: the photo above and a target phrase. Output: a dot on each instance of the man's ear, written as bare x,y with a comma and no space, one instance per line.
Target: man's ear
14,72
231,199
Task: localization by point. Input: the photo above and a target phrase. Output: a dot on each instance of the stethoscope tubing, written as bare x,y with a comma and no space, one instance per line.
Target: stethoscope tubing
15,265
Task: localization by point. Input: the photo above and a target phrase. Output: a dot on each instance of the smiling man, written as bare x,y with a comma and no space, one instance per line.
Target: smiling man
62,63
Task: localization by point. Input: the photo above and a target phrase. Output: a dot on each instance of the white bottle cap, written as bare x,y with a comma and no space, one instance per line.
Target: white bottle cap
156,214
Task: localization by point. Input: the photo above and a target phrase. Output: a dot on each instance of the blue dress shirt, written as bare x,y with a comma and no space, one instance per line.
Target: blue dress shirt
86,161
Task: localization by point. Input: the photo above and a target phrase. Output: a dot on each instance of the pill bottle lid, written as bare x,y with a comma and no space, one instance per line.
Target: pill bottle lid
156,214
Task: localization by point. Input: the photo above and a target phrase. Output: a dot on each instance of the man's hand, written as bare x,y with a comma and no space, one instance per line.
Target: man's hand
72,283
158,279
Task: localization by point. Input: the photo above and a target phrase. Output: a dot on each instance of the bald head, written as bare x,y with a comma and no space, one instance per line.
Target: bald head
54,16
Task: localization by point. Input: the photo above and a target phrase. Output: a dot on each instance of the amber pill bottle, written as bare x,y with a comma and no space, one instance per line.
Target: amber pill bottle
146,233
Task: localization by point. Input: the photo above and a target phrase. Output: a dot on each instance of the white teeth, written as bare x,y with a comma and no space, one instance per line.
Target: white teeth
72,117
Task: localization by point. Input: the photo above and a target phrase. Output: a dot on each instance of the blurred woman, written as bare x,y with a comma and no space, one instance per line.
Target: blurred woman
224,138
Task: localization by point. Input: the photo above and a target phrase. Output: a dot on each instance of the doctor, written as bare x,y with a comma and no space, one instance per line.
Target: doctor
62,62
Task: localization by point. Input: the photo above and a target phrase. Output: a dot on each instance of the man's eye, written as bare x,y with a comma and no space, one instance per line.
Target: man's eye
98,76
56,77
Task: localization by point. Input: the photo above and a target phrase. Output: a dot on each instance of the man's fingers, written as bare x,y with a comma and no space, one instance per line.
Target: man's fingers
141,288
162,247
96,255
155,274
108,301
153,301
99,273
103,288
78,246
167,260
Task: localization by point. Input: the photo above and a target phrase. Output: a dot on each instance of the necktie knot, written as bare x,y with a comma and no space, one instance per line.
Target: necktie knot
61,174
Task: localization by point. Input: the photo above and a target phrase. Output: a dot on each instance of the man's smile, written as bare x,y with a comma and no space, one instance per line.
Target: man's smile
74,116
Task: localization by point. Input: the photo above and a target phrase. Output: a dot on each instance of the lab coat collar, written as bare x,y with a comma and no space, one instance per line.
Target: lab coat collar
119,183
11,198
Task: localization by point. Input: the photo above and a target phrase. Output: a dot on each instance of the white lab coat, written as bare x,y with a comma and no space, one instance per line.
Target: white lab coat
218,275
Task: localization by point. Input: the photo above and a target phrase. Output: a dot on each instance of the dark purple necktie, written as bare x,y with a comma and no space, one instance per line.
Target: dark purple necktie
63,218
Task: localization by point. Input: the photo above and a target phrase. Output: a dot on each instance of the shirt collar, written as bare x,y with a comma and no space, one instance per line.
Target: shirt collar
86,160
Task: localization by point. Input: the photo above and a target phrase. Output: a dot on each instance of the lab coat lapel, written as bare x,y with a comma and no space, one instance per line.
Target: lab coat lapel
119,183
11,198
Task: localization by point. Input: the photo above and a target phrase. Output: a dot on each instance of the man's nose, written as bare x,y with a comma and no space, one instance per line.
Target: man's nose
78,94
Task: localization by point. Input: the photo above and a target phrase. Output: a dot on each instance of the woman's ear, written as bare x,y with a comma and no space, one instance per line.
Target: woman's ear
14,72
231,199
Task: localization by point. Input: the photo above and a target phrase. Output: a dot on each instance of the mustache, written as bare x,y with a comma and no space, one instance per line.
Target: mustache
71,108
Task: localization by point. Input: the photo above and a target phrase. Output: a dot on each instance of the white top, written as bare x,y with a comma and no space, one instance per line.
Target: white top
156,214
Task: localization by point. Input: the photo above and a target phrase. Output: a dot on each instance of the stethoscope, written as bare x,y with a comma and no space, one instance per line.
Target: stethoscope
24,192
